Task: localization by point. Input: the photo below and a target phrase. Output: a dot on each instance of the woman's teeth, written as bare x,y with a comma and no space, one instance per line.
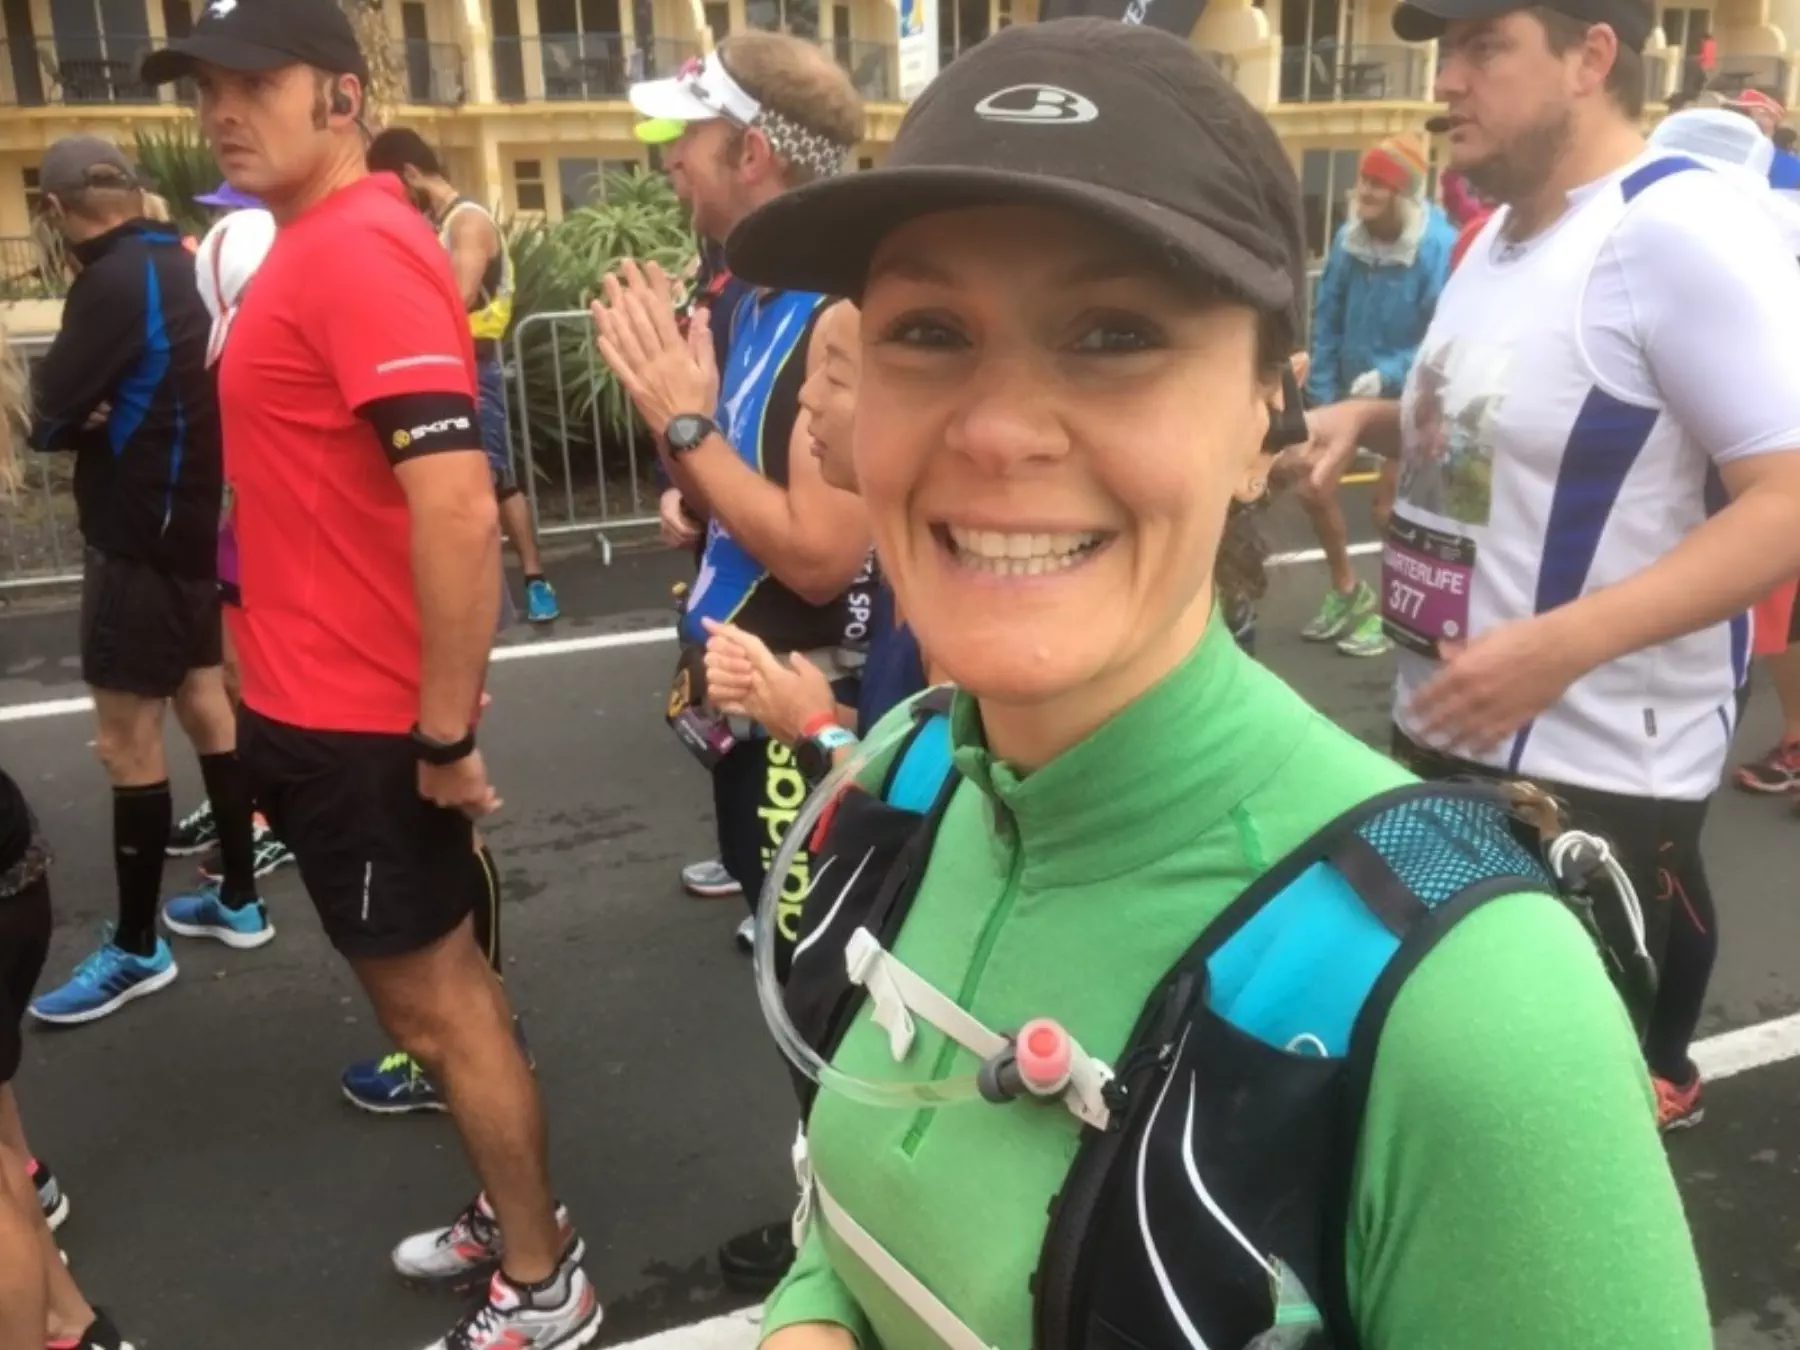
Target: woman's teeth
1020,555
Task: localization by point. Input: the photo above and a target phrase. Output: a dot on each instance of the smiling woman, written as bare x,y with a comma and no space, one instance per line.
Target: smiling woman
1125,927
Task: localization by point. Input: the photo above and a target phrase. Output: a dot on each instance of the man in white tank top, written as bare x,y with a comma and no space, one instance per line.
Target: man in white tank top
1600,463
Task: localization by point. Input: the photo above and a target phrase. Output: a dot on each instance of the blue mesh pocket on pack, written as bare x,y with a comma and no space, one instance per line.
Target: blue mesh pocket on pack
1440,846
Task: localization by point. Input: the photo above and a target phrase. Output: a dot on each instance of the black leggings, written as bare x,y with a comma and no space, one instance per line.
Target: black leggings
1658,845
758,790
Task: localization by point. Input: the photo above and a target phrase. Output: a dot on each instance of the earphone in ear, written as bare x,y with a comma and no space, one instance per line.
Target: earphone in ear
1287,425
341,103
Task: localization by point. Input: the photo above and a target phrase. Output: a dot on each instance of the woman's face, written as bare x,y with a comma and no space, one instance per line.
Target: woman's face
1047,437
829,394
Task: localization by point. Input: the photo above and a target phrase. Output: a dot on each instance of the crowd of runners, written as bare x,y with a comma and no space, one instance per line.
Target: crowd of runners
970,451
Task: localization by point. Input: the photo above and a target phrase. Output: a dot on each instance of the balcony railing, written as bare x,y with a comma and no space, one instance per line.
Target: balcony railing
870,65
581,67
75,71
435,73
1334,72
22,275
1735,74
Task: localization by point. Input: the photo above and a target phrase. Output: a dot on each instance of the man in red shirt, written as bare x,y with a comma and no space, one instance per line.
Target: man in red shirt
369,569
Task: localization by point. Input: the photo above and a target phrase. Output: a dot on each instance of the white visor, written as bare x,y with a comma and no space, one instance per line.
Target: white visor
701,92
224,263
1723,140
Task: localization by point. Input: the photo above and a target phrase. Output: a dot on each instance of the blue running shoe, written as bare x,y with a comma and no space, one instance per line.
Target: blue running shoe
106,982
393,1085
540,601
202,914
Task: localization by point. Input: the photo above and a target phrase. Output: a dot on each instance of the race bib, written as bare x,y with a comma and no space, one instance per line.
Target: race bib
1426,576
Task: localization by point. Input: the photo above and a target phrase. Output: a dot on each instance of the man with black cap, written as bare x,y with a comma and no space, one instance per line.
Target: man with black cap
369,556
1600,464
125,386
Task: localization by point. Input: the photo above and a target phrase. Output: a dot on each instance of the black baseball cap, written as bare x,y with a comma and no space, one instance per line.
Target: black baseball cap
1424,20
1126,125
252,35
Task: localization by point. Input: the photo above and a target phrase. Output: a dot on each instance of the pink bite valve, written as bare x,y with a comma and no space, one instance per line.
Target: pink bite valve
1044,1054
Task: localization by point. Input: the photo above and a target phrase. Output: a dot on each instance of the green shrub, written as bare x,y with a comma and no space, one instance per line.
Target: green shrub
180,167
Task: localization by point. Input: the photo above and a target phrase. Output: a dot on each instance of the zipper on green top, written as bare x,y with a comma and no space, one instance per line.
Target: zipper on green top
984,947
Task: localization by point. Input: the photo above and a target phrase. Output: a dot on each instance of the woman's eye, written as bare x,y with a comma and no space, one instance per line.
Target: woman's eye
1116,336
913,331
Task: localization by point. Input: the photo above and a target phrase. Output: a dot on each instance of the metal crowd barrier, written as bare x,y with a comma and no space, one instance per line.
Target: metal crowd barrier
603,487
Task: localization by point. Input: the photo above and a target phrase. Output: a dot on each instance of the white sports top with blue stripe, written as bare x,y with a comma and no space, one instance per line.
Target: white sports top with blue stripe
1563,428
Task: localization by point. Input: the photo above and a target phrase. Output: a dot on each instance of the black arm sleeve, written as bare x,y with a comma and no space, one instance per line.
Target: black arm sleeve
103,333
411,425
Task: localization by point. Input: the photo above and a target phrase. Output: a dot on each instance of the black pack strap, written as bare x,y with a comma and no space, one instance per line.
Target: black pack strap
1387,897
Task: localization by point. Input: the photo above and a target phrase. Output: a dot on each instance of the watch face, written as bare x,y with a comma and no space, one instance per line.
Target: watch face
687,431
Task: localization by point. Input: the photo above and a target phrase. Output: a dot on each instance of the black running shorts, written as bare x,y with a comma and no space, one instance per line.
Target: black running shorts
24,943
142,629
389,872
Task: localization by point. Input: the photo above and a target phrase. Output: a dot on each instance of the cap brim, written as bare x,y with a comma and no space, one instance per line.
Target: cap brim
1416,22
178,59
659,130
823,236
668,101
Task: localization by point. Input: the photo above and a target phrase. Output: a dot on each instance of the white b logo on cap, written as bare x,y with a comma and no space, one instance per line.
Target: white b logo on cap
218,9
1037,104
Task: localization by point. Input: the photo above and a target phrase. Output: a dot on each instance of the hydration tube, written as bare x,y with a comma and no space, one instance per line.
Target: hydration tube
793,1046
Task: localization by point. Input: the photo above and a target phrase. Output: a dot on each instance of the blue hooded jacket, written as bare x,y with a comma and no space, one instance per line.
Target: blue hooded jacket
1374,304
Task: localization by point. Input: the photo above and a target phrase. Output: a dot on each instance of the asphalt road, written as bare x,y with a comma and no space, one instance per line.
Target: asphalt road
224,1195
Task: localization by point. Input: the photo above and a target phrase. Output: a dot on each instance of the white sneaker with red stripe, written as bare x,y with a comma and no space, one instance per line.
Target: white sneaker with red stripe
470,1249
562,1315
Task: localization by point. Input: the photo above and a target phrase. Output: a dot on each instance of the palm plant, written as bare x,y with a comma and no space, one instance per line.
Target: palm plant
179,165
567,390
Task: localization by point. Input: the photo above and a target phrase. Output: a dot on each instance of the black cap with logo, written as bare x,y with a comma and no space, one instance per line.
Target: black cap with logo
1128,126
252,35
1424,20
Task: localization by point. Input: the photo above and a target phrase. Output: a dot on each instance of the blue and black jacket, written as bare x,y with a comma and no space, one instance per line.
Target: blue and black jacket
133,340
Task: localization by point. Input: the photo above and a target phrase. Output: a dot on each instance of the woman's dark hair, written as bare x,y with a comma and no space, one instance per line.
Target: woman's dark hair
398,148
1240,572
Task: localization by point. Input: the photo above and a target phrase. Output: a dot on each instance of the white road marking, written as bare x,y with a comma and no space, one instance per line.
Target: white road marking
532,651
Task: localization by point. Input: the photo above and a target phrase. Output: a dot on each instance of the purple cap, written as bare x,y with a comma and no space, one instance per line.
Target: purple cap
230,198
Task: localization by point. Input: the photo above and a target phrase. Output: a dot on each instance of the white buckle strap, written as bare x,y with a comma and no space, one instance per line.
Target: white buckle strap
803,1174
898,994
950,1330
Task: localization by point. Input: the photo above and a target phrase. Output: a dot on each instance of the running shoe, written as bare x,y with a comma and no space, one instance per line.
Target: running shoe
1368,638
270,854
51,1197
755,1262
1678,1108
105,982
196,832
1777,771
101,1335
204,914
470,1249
709,880
565,1316
1339,613
394,1085
540,601
745,937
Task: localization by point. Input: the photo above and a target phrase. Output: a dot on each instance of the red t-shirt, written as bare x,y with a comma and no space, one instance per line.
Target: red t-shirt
355,302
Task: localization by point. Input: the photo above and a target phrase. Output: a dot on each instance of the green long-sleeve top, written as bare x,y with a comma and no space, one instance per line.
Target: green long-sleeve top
1511,1190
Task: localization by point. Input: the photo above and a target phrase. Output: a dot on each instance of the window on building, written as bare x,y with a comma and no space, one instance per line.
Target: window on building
578,180
961,24
1003,11
799,17
33,190
528,185
509,53
842,46
1327,177
178,18
864,162
718,18
1312,42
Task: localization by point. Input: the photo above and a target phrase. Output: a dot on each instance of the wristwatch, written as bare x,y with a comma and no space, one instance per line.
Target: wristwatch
687,430
442,753
814,751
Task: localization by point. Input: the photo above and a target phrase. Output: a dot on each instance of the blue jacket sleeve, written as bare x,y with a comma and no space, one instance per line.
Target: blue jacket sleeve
102,334
1433,265
1322,382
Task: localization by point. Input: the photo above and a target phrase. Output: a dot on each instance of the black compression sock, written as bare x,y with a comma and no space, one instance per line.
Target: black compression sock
142,817
229,791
